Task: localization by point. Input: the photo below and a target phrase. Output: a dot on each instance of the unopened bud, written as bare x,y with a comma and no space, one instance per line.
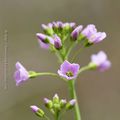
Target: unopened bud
66,26
57,42
63,103
48,103
70,104
72,25
42,37
55,99
48,28
76,32
39,112
59,24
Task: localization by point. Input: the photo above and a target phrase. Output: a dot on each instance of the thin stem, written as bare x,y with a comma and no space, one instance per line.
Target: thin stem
62,113
76,54
73,95
47,118
84,69
59,57
35,74
46,73
57,116
70,49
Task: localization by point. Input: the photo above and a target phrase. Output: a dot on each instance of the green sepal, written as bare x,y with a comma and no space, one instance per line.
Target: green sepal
49,105
69,106
40,113
46,40
32,74
88,44
81,38
92,66
57,107
56,99
66,29
62,105
49,31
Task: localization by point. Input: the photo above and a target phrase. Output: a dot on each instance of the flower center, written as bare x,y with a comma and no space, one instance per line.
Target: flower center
69,74
93,36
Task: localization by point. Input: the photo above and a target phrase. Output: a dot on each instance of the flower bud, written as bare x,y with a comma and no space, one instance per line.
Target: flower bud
59,24
72,25
70,104
42,37
57,42
55,99
44,40
48,103
66,27
39,112
76,32
63,103
55,25
48,28
44,27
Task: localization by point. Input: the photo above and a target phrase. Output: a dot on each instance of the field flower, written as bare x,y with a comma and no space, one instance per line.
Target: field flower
21,74
90,32
68,70
100,61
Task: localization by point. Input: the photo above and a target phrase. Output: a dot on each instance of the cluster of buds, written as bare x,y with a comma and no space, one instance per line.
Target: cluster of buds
56,33
58,28
55,106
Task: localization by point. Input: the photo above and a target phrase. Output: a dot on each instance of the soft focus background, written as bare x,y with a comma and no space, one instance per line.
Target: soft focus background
99,93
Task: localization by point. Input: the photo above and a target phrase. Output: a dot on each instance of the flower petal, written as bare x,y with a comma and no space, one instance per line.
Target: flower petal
65,66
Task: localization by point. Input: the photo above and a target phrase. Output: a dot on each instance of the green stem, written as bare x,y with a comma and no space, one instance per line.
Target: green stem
47,118
33,74
73,44
46,73
84,69
76,54
73,95
57,117
59,57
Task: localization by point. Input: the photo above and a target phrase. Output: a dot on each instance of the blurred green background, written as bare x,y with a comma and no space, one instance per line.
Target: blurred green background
99,93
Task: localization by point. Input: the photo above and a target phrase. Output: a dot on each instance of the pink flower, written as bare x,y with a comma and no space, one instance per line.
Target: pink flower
21,74
101,61
68,70
90,32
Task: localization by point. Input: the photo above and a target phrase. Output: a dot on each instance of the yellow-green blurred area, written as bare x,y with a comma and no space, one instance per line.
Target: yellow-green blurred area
99,93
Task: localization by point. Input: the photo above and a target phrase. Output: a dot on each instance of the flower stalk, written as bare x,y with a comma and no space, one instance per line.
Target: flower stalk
72,91
61,38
